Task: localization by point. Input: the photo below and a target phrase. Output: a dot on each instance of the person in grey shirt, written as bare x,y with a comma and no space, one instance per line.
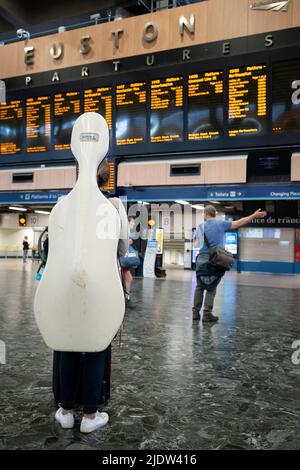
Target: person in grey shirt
208,278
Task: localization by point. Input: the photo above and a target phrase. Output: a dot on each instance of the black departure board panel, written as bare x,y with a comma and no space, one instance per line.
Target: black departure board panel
38,124
66,111
131,107
286,97
11,117
205,105
247,94
166,105
99,100
269,166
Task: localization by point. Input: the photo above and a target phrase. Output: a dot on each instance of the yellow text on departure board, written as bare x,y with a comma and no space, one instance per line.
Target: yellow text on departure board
11,115
99,100
247,97
205,92
66,105
38,120
131,100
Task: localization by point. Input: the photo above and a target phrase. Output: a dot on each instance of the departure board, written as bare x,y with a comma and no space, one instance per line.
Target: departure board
286,97
110,186
99,100
205,105
11,116
131,124
66,111
38,124
247,108
166,104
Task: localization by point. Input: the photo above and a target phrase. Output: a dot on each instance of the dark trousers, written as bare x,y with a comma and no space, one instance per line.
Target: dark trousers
92,379
198,300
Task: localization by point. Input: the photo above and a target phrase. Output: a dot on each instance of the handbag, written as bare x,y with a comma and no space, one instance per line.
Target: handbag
219,258
39,273
130,259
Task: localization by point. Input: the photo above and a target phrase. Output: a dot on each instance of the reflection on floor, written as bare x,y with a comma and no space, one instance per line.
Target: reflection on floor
175,384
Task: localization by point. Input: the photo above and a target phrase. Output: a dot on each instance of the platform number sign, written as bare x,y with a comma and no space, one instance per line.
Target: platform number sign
33,220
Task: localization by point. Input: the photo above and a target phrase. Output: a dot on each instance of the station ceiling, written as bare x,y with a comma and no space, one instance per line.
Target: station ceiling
34,16
38,16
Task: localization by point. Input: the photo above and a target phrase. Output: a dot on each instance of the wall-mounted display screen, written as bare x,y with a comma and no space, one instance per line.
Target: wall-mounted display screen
205,105
11,117
166,110
66,111
131,107
38,124
99,100
286,97
269,166
247,95
231,242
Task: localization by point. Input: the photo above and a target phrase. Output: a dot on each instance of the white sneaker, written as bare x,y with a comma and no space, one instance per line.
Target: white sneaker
89,425
66,421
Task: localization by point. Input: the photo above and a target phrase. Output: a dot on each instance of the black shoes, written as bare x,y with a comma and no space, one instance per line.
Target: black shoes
196,316
209,318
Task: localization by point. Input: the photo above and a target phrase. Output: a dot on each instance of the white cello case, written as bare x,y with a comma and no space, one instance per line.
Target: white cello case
79,304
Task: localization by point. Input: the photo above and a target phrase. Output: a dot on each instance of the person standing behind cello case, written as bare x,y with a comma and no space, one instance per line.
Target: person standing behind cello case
79,304
100,362
103,177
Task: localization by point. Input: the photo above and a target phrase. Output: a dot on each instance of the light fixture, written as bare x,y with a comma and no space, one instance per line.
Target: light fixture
95,17
61,29
179,201
214,202
198,207
143,202
42,212
21,209
120,14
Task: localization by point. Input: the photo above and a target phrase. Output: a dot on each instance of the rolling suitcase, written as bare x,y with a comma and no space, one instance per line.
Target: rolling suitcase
105,390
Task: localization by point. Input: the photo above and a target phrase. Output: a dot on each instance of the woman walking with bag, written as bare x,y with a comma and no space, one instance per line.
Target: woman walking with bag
129,261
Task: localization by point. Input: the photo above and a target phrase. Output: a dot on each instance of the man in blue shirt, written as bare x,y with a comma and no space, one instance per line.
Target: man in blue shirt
207,279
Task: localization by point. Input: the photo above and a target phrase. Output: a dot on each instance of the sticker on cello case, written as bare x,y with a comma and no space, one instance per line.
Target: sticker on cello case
89,137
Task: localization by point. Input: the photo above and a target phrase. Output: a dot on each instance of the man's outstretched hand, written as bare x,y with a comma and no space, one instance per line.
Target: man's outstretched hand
259,214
